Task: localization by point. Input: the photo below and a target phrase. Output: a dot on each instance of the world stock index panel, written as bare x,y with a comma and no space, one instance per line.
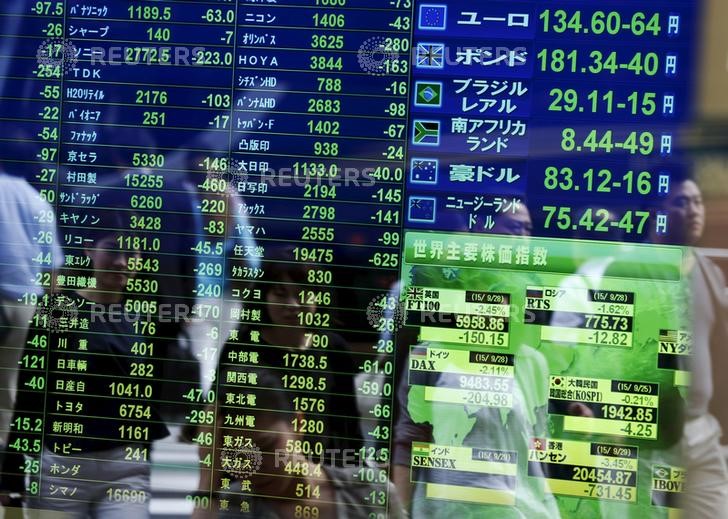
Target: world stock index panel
488,177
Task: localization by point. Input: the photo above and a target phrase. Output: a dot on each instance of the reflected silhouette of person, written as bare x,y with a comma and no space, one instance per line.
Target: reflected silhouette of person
706,494
91,360
29,251
509,428
286,348
27,233
284,342
253,465
515,222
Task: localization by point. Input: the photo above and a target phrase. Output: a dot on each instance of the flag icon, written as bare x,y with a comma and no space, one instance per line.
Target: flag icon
426,133
430,55
421,209
432,17
534,292
668,335
538,444
428,94
415,293
420,449
659,472
424,171
419,353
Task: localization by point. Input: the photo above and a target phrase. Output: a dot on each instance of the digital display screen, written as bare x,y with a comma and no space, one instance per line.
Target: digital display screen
356,258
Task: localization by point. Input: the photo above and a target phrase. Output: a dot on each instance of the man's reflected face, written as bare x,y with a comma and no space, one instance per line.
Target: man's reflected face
285,303
111,264
685,213
514,223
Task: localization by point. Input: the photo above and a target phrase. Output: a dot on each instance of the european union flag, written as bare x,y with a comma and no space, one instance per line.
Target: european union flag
421,209
424,171
433,17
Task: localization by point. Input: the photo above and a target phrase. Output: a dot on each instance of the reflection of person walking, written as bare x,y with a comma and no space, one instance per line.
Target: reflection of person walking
706,487
27,246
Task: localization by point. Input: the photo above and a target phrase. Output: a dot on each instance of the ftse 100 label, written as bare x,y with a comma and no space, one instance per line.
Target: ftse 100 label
459,316
466,474
581,315
604,406
460,376
585,469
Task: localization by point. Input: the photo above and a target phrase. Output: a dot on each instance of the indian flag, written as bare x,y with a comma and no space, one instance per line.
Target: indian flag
420,449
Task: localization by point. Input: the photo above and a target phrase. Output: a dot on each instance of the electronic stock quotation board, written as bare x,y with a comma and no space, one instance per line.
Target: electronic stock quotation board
487,175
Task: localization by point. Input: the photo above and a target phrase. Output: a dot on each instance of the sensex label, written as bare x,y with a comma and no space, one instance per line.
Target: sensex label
468,474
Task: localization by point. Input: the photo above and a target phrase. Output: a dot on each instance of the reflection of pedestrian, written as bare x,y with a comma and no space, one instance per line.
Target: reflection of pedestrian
177,230
707,475
266,486
472,426
27,244
112,422
514,222
206,332
281,336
